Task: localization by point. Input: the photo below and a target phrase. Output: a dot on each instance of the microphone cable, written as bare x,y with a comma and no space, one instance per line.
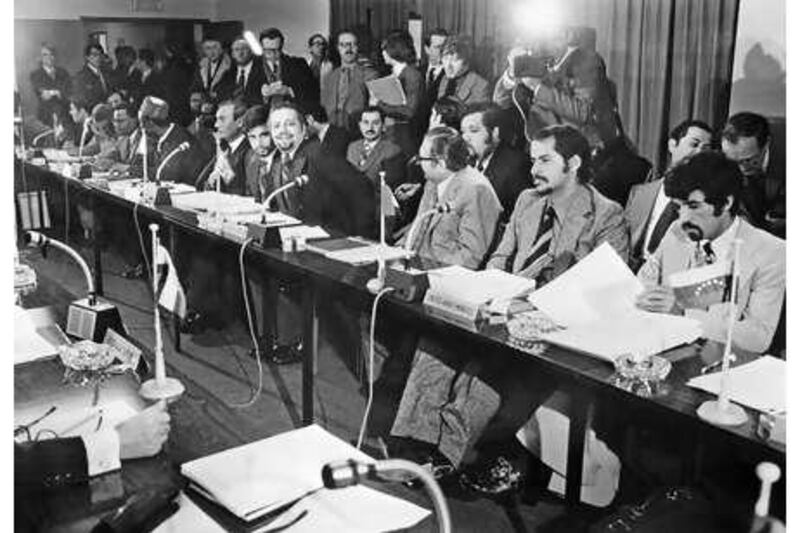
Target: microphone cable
521,113
371,367
254,395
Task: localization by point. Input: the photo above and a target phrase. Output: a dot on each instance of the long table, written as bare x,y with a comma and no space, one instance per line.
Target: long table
587,380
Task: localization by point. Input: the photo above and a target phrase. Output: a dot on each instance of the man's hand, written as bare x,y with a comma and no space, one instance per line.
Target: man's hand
143,435
404,191
658,299
269,90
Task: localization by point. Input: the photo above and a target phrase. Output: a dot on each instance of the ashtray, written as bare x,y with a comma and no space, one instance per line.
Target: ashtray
88,355
641,375
525,329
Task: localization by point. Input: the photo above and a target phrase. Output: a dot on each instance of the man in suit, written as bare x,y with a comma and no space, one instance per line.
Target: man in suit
373,152
332,138
52,86
460,81
211,76
649,212
256,124
247,77
462,235
287,77
575,91
746,139
508,169
432,68
148,82
91,82
709,189
344,90
123,77
226,170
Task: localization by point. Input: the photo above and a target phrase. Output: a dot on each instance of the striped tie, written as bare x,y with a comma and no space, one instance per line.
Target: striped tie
538,257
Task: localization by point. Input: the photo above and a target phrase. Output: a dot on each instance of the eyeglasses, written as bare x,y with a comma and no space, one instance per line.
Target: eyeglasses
418,159
318,43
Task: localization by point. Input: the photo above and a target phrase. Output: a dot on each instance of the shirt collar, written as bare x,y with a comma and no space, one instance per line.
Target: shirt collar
246,68
723,244
398,68
565,204
323,131
441,187
93,69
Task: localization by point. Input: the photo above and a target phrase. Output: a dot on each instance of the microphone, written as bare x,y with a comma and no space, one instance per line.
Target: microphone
253,43
341,474
444,207
84,132
41,136
178,149
39,240
299,181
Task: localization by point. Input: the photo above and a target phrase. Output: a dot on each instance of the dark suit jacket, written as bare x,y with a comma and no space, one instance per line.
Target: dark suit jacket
252,89
41,80
237,161
183,167
152,86
295,72
252,186
50,463
509,173
409,117
335,141
217,85
89,88
386,155
346,114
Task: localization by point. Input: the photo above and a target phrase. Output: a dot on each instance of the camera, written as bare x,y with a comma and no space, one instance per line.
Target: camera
531,66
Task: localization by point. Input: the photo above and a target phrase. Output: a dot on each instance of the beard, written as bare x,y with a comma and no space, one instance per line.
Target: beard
695,233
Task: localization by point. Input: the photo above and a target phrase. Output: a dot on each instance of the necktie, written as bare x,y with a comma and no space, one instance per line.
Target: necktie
263,183
344,88
431,76
544,235
450,88
668,216
280,174
240,82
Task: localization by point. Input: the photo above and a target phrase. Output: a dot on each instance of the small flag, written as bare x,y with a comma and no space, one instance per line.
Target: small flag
389,205
699,288
170,294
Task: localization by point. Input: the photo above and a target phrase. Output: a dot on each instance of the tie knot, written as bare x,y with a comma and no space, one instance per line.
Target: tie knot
550,212
708,250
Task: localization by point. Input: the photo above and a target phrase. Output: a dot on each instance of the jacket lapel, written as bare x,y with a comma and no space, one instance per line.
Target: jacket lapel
642,208
576,217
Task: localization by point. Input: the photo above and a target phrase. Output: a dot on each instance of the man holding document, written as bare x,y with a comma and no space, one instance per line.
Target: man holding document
708,189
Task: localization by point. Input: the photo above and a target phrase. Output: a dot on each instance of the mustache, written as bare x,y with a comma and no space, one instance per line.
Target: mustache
687,226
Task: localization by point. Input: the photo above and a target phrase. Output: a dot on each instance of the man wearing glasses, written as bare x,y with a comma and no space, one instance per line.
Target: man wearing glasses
91,82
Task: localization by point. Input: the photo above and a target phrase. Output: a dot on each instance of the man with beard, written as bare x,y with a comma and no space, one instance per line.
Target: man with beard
373,153
708,189
203,113
261,146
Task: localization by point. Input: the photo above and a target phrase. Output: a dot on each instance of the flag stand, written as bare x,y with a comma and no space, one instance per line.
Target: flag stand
721,411
160,387
377,283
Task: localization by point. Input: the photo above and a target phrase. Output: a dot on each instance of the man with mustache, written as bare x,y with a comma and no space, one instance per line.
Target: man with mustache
373,152
708,188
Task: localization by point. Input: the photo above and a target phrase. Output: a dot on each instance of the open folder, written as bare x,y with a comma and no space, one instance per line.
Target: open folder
258,478
594,303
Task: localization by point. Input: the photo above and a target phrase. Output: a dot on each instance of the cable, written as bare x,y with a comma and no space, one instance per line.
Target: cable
250,326
371,367
521,113
141,241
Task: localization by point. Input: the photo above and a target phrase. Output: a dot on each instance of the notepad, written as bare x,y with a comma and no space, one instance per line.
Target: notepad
388,90
759,384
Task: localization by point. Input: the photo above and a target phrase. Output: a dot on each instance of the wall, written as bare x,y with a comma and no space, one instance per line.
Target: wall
759,67
74,9
297,19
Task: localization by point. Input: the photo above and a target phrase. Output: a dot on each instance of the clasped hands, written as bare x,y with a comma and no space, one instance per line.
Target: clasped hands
658,299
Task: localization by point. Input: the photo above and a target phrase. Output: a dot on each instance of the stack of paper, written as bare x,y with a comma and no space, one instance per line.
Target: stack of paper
760,384
254,479
594,301
29,344
212,201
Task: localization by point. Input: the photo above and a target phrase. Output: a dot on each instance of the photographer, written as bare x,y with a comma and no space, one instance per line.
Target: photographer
567,86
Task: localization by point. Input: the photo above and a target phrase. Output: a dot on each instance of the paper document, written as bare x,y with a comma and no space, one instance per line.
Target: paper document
76,418
303,231
212,201
759,384
477,287
254,479
29,344
387,90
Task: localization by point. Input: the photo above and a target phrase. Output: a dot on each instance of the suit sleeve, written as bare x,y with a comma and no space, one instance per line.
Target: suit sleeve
413,87
507,249
614,230
476,229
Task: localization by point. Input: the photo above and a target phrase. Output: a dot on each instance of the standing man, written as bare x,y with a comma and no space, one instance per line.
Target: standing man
746,139
52,86
288,77
432,67
247,77
148,81
91,83
226,170
344,90
708,189
210,76
649,212
507,169
460,81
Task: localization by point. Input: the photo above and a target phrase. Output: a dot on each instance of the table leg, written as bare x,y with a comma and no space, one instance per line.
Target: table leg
176,320
580,408
310,330
98,265
269,311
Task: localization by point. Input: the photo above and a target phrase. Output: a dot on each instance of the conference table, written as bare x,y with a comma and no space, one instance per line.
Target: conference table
588,381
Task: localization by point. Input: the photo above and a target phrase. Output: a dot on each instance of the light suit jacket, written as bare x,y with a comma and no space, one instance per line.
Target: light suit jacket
471,88
462,236
762,284
590,219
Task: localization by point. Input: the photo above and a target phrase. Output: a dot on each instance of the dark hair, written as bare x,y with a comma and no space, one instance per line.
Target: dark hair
147,55
569,141
271,33
239,107
399,46
460,45
747,124
436,31
349,31
373,109
255,116
716,176
290,105
679,131
128,108
448,144
491,114
124,52
451,110
80,102
89,47
317,112
311,39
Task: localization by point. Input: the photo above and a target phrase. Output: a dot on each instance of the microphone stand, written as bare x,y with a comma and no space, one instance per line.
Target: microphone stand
377,283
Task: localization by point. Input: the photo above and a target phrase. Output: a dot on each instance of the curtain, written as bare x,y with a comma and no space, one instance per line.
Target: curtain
370,19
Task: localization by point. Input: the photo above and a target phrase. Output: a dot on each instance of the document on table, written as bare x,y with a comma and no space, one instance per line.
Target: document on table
477,287
595,302
388,90
29,344
257,478
759,384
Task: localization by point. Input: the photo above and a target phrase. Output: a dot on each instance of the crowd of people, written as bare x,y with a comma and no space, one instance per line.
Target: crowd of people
522,164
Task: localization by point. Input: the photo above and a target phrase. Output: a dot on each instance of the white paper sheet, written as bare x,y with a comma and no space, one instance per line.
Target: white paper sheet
212,201
28,344
477,287
759,384
599,285
253,479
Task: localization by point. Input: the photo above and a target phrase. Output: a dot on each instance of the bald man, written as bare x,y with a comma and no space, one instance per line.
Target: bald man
245,79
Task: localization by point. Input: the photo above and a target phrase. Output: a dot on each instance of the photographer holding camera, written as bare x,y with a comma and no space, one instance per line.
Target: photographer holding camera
568,86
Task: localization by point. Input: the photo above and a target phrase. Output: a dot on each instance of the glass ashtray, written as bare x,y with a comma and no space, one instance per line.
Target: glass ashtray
530,326
87,355
642,376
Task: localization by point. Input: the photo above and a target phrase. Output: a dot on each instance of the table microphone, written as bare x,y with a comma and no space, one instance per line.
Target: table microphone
178,149
341,474
269,236
84,132
87,318
299,181
41,136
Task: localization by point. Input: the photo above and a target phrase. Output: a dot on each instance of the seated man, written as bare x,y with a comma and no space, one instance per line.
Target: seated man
708,189
460,81
226,171
558,221
332,138
374,152
256,124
